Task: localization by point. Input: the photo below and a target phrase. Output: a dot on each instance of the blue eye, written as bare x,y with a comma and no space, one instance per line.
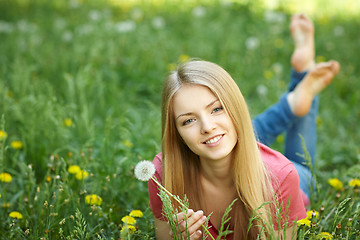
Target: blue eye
188,121
217,109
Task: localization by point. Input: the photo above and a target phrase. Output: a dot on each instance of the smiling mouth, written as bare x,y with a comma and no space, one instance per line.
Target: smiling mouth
214,139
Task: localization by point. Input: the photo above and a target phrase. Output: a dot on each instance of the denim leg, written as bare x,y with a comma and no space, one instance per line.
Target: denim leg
295,78
273,121
306,127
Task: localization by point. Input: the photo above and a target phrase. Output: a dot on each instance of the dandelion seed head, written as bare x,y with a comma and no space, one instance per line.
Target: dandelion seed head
144,170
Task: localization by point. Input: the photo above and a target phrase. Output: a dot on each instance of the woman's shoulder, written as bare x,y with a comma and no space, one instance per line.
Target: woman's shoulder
157,161
276,162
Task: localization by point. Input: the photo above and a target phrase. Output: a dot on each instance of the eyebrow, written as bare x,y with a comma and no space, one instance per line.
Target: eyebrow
190,113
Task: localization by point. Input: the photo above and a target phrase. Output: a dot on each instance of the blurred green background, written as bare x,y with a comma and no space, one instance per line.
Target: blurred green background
80,84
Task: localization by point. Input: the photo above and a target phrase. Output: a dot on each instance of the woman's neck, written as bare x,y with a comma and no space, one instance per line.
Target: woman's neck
217,172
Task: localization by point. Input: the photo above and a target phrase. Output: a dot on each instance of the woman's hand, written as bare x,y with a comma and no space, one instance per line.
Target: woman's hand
192,225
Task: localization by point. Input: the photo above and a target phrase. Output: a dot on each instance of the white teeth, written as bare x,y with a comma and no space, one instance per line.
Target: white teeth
213,140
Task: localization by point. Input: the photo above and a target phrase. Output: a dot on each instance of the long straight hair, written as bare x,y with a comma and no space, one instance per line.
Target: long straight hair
181,166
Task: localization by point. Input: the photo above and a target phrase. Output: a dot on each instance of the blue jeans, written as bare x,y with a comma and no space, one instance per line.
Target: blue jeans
278,119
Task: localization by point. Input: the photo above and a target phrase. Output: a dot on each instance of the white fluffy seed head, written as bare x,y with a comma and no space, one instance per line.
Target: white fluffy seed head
144,170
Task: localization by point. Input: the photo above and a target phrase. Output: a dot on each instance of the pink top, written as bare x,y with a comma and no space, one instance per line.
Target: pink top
284,177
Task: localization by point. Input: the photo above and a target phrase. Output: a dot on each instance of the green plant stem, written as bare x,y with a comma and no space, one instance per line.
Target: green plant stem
174,197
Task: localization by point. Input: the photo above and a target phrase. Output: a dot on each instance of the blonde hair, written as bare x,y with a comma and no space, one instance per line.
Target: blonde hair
181,166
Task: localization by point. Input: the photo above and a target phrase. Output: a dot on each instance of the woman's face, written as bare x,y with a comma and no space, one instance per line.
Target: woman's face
203,123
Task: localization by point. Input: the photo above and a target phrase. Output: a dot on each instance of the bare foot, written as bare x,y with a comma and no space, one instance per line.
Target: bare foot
302,32
315,81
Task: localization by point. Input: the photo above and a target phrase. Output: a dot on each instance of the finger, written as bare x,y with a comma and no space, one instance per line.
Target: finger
196,235
181,216
193,223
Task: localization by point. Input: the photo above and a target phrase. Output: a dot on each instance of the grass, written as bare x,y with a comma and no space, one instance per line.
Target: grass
80,85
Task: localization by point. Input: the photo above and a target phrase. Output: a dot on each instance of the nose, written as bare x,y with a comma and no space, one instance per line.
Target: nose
207,126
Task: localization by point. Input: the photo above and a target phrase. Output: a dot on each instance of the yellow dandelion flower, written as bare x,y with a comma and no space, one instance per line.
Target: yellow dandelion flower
82,174
304,221
16,144
324,235
320,59
5,177
309,214
280,139
136,213
319,121
68,122
93,199
127,143
70,154
171,67
129,228
335,183
268,74
354,183
5,205
128,220
184,58
3,135
74,169
16,215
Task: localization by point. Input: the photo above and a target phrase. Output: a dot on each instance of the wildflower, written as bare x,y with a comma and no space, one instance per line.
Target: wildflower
82,174
68,122
128,220
16,215
303,222
158,23
335,183
48,179
5,205
136,213
277,68
137,14
3,135
320,59
280,139
311,213
16,144
144,170
262,90
94,15
5,177
324,235
67,37
268,74
93,199
199,11
252,43
354,183
127,143
184,58
129,228
171,67
74,169
125,26
271,16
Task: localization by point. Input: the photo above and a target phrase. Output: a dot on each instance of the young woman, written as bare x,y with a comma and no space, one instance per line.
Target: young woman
210,151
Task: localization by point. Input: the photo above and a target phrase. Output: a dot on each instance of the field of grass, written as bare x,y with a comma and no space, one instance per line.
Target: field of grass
80,88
